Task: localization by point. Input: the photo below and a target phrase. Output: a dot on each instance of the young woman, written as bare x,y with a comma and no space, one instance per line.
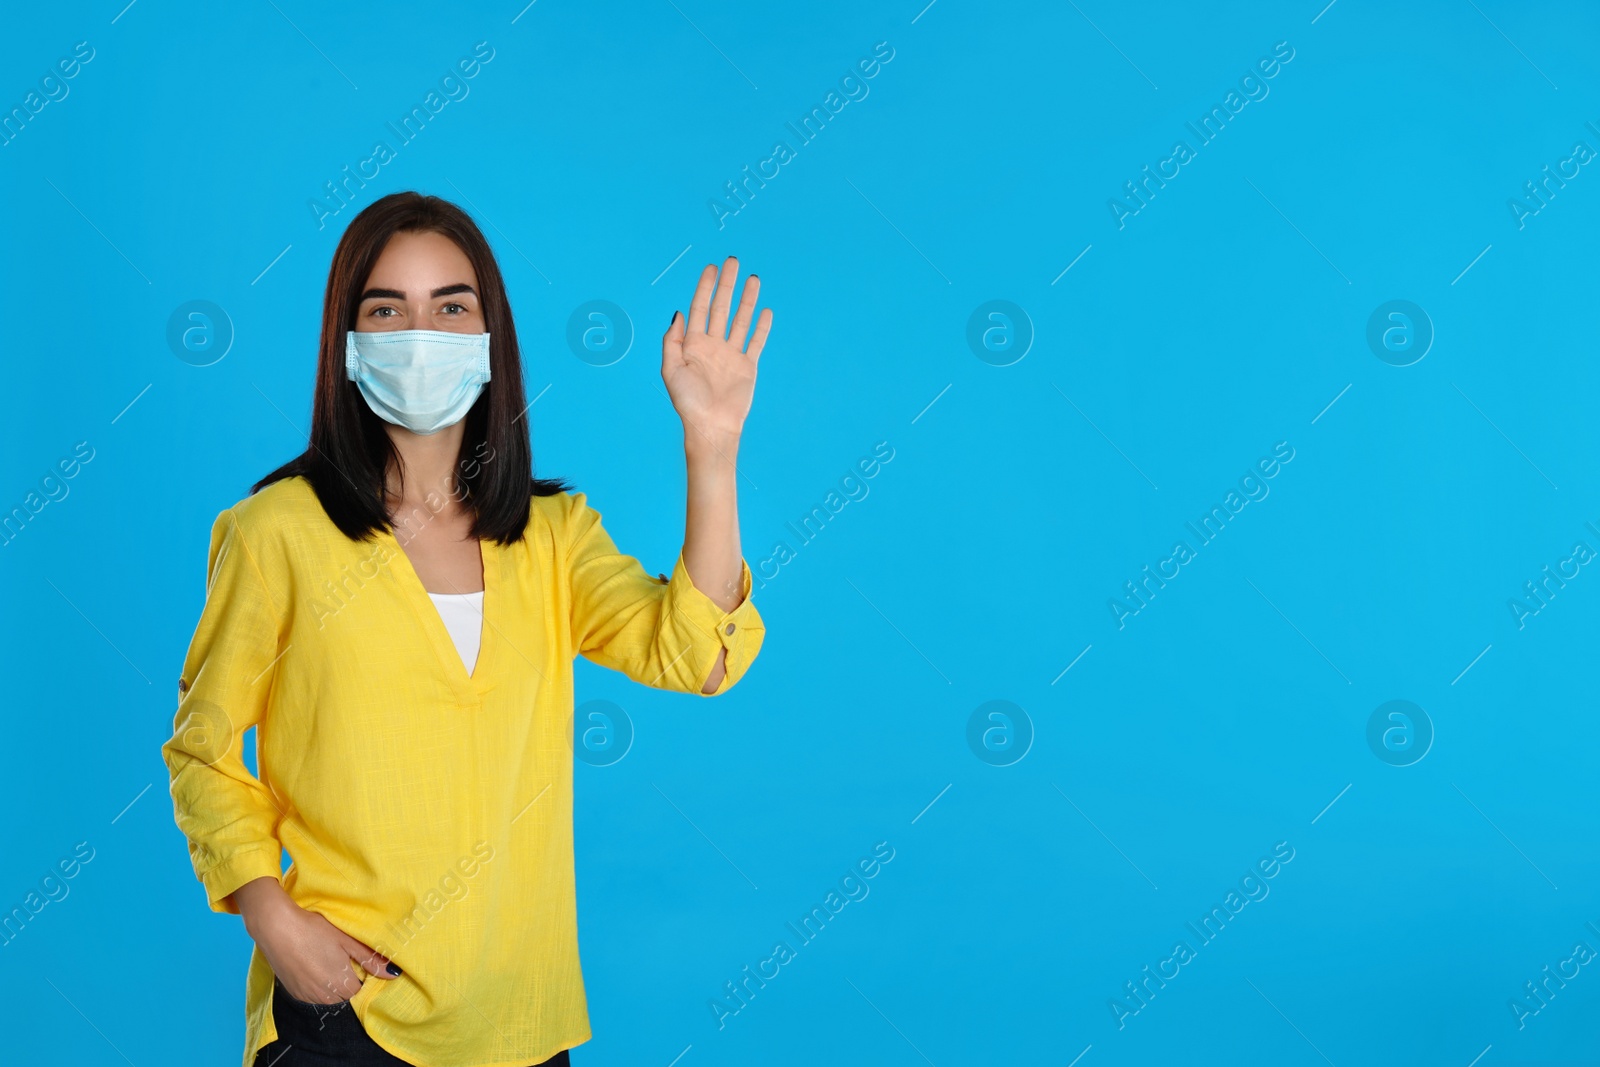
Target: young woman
396,612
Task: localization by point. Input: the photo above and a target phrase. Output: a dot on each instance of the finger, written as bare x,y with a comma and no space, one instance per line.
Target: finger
372,961
747,309
672,343
718,327
763,327
700,306
327,992
333,990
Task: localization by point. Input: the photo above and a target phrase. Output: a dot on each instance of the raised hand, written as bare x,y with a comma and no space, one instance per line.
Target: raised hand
709,373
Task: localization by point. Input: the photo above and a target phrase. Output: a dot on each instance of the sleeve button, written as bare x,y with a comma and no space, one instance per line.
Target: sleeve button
183,685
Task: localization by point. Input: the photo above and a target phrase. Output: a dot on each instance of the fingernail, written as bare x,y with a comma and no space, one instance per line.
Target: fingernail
394,970
674,318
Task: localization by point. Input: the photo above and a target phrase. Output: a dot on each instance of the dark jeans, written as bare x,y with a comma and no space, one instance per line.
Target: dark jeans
330,1035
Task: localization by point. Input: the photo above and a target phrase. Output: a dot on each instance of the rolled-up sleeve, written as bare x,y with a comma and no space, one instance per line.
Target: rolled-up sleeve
663,633
227,815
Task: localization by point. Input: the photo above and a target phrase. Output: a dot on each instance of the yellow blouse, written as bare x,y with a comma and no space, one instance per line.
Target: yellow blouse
428,812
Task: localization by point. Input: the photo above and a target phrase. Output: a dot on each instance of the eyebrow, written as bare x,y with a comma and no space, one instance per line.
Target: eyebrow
395,294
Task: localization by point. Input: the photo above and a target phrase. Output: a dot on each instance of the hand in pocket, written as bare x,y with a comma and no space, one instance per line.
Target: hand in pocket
310,955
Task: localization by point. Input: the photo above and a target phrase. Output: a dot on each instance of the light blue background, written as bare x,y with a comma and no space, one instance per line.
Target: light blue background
1223,318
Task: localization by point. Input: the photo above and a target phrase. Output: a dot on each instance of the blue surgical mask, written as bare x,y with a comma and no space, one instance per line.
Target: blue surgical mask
423,380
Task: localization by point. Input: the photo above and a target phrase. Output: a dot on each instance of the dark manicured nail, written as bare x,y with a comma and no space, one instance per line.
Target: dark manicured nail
674,319
392,969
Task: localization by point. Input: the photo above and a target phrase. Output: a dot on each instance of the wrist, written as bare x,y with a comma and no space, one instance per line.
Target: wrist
260,901
710,444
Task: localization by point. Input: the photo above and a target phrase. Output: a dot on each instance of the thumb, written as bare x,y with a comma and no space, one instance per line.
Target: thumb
371,960
672,342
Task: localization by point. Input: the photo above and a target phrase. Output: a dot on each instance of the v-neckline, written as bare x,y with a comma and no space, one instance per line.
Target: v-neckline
471,684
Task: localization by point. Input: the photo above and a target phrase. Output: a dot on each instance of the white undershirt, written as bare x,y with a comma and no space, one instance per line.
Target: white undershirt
463,617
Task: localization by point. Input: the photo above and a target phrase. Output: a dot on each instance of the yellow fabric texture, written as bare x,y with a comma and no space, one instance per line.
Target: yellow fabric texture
428,812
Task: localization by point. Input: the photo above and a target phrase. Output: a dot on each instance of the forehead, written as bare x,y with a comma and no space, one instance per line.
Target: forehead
416,262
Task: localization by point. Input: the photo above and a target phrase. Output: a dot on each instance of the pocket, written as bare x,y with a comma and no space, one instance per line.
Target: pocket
313,1028
279,989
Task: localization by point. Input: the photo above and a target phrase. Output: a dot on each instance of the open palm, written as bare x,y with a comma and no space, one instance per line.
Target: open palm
709,373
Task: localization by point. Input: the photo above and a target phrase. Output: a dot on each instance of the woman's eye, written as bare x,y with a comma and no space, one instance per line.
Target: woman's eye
458,307
381,308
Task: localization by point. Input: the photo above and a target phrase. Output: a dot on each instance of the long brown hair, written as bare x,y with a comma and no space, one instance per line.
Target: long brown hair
349,449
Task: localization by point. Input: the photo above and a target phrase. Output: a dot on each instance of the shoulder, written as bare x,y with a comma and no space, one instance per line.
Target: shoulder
272,523
557,509
564,516
284,504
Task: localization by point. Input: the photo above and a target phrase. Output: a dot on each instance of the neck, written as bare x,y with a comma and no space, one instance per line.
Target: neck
429,467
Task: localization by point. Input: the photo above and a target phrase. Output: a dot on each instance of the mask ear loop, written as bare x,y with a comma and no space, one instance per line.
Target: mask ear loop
350,359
